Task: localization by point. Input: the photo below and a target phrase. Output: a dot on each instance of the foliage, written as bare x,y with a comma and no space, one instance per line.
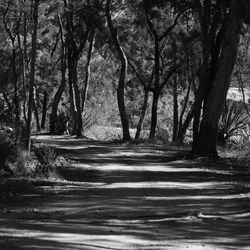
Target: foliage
232,121
155,36
89,120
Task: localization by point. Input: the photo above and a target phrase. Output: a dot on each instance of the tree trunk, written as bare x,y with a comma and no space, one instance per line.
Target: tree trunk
23,65
123,74
38,128
45,104
15,99
156,96
32,71
87,69
77,98
143,113
183,127
207,137
175,110
58,94
72,96
73,55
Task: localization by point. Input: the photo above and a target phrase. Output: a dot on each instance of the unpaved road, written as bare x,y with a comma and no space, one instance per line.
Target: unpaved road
121,197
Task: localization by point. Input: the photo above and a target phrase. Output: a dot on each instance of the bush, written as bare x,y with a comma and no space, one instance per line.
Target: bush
46,161
8,147
46,157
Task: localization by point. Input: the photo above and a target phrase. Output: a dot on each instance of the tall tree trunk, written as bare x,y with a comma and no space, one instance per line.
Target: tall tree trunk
77,101
175,110
73,55
123,74
15,99
156,91
59,92
72,96
87,69
143,113
45,104
23,65
207,137
32,71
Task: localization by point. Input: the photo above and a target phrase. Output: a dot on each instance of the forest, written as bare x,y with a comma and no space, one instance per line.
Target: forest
115,83
156,67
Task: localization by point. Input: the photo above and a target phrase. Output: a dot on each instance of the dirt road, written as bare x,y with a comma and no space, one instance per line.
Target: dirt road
130,197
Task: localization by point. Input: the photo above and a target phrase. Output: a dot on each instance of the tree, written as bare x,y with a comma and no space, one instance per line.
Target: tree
123,72
60,90
12,29
32,71
220,40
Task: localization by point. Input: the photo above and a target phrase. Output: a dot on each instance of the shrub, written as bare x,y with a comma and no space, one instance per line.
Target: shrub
233,120
46,157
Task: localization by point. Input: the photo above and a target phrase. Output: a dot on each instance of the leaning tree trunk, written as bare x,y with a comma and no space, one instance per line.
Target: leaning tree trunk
207,137
175,110
38,128
123,74
143,113
87,69
32,72
183,127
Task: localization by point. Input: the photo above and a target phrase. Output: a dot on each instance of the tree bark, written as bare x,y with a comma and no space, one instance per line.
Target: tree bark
72,67
32,71
156,96
122,77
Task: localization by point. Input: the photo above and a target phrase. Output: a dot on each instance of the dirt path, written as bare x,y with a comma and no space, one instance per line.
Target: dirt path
130,197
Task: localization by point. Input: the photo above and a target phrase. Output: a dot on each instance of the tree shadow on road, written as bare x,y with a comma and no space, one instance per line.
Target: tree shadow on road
131,197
